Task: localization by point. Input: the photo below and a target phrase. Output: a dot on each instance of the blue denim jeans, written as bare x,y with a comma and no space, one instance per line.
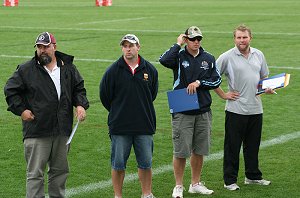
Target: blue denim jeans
121,147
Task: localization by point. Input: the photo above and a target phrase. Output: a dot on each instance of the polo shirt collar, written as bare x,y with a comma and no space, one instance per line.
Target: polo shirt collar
237,51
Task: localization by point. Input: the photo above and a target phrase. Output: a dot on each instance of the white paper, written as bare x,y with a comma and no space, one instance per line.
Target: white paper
73,132
273,83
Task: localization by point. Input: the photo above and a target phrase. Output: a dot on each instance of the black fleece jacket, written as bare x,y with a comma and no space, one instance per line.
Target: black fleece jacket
31,87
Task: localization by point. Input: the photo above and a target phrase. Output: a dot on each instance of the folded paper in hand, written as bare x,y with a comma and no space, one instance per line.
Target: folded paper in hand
179,101
274,82
73,132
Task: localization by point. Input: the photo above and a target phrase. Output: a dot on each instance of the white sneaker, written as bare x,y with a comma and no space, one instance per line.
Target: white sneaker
232,187
178,191
259,181
199,188
148,196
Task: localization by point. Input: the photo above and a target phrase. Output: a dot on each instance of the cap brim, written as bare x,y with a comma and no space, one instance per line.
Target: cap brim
193,36
45,44
130,41
41,43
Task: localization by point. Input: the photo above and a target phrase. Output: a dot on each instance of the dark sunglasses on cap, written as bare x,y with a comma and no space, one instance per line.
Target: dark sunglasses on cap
129,38
198,38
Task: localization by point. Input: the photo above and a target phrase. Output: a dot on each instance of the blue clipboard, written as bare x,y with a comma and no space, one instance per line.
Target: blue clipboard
179,101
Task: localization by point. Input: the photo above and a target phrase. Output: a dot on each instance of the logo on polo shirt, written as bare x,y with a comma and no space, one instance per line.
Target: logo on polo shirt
185,64
146,77
204,65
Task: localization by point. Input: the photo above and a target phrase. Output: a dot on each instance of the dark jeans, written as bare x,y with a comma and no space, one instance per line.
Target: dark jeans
246,130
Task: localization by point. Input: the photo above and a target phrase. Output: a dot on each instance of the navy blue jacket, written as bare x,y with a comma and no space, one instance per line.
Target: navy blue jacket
129,98
31,87
187,69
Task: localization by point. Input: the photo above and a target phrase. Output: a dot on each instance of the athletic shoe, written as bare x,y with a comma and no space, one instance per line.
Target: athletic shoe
199,188
148,196
232,187
178,191
257,181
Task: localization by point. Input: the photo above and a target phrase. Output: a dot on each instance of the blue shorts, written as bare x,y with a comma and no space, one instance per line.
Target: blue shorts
121,147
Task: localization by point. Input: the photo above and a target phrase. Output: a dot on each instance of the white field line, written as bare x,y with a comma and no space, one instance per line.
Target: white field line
166,168
114,20
136,30
228,14
111,61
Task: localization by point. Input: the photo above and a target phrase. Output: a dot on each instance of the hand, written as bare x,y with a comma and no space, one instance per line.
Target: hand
80,113
27,115
270,91
232,95
181,39
192,88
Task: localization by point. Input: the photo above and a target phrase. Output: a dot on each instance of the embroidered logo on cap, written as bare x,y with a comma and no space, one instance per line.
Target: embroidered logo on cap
41,38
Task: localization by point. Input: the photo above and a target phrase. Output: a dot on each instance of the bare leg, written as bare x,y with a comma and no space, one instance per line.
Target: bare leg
117,181
196,167
145,176
179,166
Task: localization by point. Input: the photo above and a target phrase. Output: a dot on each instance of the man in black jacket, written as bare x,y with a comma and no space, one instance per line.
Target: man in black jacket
43,91
127,90
193,69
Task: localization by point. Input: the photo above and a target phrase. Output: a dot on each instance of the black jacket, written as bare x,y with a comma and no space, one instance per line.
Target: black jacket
129,98
187,69
31,87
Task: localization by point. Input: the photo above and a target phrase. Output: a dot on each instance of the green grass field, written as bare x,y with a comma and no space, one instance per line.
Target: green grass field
92,35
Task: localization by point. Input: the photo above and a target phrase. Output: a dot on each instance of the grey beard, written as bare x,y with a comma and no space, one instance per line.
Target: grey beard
45,59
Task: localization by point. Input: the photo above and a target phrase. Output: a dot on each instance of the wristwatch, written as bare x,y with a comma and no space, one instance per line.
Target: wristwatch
198,82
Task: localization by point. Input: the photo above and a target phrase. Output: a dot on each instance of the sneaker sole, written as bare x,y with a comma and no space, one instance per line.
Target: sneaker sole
231,189
253,183
192,192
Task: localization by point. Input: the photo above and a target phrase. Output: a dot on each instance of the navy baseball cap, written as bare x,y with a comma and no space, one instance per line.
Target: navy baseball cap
45,38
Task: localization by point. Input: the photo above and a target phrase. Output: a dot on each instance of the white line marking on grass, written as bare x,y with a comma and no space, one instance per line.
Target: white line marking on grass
77,59
284,67
166,168
135,30
228,14
111,61
115,20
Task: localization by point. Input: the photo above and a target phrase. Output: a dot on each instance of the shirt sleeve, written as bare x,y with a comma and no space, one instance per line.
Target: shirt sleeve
264,72
169,58
13,93
106,90
155,84
221,64
79,94
212,79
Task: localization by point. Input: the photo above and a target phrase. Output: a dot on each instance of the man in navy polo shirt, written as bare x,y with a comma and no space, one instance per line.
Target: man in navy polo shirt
127,90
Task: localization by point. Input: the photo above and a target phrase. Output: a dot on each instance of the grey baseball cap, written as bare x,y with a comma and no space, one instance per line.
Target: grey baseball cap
130,38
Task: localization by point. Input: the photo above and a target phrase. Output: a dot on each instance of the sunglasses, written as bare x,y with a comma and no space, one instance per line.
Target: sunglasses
198,38
129,38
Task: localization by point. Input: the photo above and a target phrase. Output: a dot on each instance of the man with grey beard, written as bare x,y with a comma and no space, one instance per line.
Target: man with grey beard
43,92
